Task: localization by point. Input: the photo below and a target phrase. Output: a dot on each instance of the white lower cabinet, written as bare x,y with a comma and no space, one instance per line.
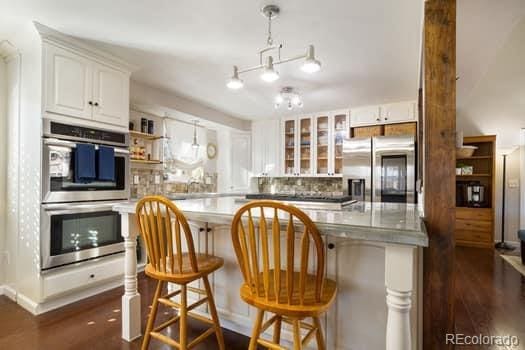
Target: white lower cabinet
356,320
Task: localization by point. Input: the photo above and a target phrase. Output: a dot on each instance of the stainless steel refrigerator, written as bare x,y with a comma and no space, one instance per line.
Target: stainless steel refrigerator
380,169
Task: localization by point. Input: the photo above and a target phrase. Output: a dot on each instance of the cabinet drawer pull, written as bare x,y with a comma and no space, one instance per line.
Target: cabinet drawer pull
92,275
331,246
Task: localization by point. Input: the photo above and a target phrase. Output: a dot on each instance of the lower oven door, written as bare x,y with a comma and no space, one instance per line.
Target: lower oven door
58,183
73,232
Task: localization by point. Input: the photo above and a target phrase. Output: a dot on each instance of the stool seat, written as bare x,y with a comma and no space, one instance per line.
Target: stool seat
521,235
309,308
206,264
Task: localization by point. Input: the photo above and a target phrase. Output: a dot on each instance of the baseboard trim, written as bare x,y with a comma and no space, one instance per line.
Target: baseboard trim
49,305
8,292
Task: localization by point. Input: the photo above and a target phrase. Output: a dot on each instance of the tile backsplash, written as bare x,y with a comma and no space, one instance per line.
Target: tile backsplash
146,182
151,182
300,185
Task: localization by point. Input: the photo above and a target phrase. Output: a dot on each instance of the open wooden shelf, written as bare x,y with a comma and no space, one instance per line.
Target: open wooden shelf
145,136
144,161
475,157
473,175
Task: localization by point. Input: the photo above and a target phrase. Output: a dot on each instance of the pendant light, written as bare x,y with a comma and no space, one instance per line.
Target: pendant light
272,50
195,145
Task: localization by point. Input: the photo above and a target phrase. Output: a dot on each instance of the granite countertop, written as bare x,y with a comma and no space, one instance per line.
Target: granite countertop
380,222
199,195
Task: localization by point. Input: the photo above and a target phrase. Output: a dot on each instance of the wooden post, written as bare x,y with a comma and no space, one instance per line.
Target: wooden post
440,126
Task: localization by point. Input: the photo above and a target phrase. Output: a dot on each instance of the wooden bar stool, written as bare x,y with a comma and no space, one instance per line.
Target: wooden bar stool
271,283
161,223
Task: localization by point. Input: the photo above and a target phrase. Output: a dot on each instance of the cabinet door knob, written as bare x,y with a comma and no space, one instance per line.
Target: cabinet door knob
90,103
386,118
331,246
92,276
96,104
378,120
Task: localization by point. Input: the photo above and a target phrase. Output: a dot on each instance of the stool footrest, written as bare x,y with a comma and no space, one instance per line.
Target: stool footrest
201,337
166,324
164,339
269,345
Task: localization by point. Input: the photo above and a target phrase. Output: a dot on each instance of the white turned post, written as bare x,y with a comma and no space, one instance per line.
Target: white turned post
399,274
131,326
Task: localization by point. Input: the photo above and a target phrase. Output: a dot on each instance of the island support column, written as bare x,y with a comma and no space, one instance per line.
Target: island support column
399,278
131,299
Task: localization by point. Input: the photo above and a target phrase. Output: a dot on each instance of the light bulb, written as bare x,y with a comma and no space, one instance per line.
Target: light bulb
296,100
279,99
277,105
235,82
269,74
311,65
290,106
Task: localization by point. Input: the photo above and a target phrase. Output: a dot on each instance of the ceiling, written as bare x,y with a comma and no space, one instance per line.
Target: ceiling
490,56
369,49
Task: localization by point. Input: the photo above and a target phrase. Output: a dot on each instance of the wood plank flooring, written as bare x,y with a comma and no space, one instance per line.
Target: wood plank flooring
490,296
93,323
490,299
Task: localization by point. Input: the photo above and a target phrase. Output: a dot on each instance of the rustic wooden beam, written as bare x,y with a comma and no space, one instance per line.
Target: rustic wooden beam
440,126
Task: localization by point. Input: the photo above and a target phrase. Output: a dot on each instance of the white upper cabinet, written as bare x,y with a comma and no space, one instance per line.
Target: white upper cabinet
110,95
313,145
68,83
365,115
398,112
383,114
80,87
265,148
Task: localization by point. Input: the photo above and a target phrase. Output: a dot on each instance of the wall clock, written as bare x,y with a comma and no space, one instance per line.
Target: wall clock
211,150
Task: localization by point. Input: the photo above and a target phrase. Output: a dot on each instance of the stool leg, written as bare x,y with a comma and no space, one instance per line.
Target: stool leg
277,330
152,315
183,330
213,313
297,335
256,330
319,334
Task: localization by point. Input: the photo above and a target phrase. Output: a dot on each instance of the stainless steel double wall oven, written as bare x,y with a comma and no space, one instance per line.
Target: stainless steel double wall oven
77,222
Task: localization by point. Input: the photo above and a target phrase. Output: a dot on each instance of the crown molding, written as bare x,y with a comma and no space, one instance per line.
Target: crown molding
50,35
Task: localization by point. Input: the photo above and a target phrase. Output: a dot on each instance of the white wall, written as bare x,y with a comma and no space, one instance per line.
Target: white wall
141,94
3,164
23,157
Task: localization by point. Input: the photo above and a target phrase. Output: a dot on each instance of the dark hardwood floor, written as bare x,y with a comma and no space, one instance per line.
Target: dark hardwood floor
93,323
490,296
490,299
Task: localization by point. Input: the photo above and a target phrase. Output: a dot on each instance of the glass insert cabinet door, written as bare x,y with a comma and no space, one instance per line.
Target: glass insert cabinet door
323,144
339,133
289,147
305,145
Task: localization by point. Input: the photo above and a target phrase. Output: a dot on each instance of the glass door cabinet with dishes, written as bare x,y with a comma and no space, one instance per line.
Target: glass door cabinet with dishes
313,145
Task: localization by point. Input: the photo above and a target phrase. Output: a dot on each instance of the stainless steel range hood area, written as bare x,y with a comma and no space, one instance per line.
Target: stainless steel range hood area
380,169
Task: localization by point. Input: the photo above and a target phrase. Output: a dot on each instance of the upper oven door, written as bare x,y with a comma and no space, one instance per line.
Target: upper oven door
58,183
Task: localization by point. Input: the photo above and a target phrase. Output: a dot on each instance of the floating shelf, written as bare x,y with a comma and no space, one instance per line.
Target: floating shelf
473,175
475,157
145,136
144,161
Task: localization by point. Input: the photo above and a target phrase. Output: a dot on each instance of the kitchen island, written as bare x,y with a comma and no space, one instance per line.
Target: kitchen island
368,246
